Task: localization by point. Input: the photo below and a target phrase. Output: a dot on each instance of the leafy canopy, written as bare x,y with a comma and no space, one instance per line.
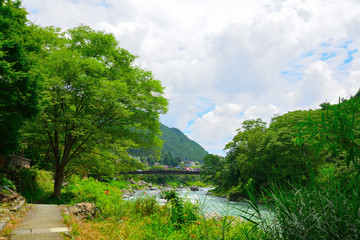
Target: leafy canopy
337,130
18,73
95,101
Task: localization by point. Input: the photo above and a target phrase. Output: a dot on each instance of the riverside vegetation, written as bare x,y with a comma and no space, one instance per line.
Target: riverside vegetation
141,218
304,167
75,102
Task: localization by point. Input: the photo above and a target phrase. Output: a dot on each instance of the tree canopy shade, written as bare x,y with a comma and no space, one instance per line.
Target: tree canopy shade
18,76
94,99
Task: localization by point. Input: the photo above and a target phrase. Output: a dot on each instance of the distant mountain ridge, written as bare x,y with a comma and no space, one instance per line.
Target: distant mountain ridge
179,145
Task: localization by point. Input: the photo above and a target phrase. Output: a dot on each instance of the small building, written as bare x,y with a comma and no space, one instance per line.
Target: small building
15,161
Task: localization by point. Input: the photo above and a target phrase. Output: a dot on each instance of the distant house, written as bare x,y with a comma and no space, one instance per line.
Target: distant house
166,167
187,169
15,161
192,164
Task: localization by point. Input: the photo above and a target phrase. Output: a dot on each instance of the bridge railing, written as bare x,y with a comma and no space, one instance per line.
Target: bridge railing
165,172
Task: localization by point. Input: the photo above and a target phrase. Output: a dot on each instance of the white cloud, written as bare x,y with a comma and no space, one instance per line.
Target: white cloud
249,59
317,86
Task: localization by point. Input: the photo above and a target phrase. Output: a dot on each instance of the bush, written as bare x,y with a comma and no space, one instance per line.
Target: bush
107,196
146,206
5,182
181,211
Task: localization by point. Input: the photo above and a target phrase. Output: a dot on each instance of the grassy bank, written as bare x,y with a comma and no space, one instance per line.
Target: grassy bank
144,218
326,210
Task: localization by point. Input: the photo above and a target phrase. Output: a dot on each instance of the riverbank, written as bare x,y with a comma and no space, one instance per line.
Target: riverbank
334,205
144,218
140,218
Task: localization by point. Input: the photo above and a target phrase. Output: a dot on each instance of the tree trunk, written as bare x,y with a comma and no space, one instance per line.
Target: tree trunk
59,177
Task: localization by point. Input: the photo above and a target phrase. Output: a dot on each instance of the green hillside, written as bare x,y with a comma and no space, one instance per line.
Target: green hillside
179,145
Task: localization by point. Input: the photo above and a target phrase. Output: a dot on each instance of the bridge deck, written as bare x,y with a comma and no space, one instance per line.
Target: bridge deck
164,172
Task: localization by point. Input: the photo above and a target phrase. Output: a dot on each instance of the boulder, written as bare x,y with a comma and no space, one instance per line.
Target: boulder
131,181
83,210
126,193
141,183
8,198
194,188
213,215
236,196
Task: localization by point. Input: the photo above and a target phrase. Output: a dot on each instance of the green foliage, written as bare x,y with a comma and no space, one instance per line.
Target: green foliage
262,155
95,102
33,184
328,211
181,211
211,168
5,182
179,145
146,206
89,190
284,161
337,130
172,180
241,162
143,218
18,71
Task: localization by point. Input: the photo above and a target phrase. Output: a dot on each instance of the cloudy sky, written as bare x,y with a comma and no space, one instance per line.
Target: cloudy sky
223,62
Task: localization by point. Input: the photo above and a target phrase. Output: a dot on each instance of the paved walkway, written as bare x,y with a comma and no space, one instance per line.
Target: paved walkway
42,222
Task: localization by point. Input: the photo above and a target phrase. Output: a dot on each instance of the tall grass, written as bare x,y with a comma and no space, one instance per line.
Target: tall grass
327,211
144,218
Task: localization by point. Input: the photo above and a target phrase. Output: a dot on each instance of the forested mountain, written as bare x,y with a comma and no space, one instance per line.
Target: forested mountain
179,145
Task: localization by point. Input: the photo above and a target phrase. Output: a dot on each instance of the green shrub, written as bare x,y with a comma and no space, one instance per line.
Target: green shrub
146,206
5,182
181,211
109,203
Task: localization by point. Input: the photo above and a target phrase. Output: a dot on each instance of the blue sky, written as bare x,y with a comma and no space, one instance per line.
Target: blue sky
223,62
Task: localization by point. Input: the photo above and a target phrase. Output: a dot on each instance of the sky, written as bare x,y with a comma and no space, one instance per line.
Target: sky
223,62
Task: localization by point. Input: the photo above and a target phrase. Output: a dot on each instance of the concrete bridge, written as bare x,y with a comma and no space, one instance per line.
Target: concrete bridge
163,172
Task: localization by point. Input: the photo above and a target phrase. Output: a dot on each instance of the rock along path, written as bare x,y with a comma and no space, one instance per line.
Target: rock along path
43,221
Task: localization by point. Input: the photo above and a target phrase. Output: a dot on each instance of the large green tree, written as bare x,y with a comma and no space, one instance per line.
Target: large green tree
211,168
18,73
241,159
283,162
95,100
259,155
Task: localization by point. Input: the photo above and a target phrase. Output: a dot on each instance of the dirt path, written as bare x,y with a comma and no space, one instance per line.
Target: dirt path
43,221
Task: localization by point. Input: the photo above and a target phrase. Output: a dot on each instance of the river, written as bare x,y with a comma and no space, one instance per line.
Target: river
208,203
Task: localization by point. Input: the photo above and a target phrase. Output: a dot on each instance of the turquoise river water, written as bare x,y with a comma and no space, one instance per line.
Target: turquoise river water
208,203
